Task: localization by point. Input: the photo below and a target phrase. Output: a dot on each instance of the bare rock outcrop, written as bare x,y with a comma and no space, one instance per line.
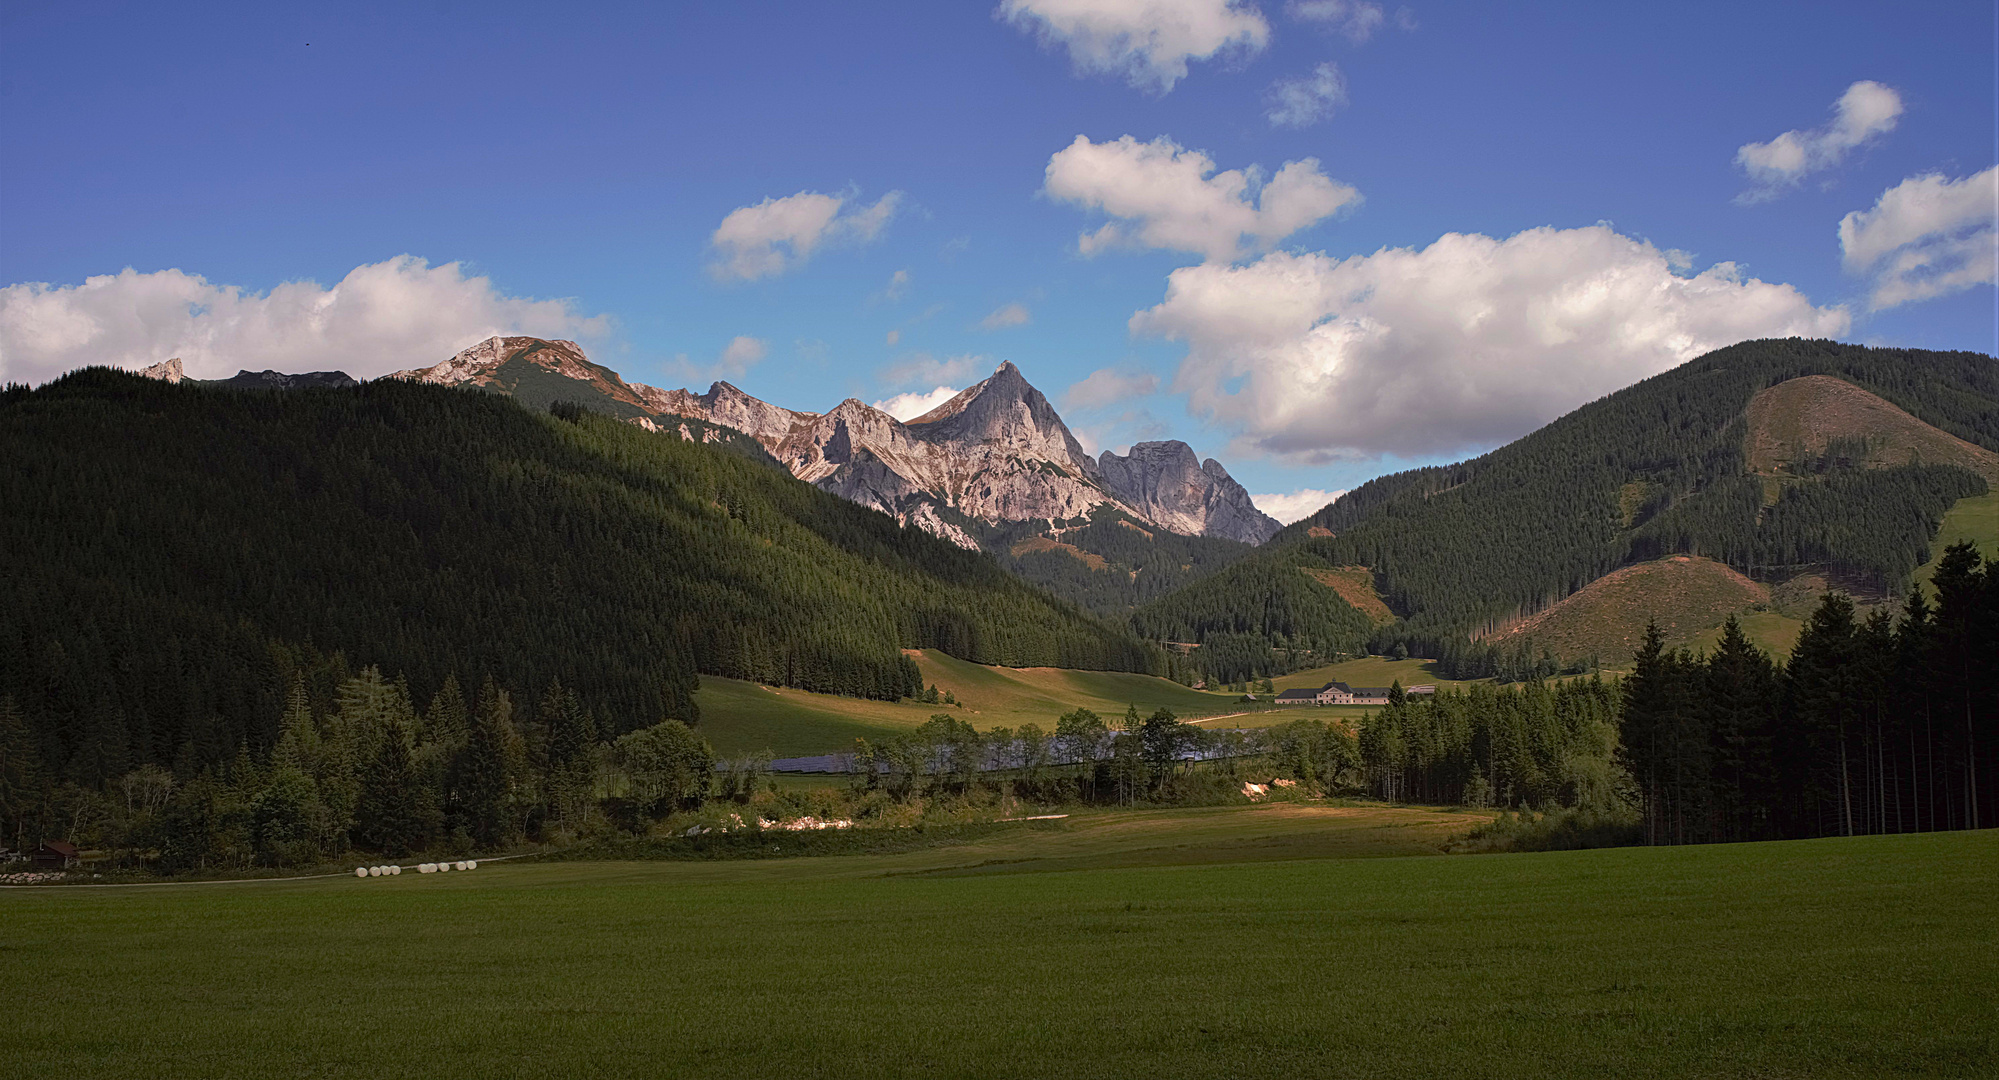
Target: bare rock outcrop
165,371
1166,484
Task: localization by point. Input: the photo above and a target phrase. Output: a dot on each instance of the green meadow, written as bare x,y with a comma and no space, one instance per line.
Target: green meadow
1975,519
1274,940
742,717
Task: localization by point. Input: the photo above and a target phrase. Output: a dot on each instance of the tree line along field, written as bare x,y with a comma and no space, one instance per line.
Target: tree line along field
1227,954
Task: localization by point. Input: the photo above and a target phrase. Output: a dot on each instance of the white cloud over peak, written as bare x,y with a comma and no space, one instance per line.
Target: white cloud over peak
1357,19
1288,507
734,361
1171,198
1148,42
1305,100
1926,237
1867,110
740,355
777,235
381,317
1014,314
924,369
1107,387
912,405
1466,343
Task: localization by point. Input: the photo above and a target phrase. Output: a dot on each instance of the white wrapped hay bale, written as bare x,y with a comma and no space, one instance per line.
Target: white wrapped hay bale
459,865
471,864
395,870
360,871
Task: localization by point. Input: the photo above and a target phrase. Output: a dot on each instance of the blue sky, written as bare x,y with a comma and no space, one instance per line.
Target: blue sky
1497,212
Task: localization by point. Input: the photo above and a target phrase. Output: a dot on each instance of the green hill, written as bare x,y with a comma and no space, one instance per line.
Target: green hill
177,554
1674,465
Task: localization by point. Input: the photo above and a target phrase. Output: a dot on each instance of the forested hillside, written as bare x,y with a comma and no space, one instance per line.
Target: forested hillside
1108,562
1660,468
177,554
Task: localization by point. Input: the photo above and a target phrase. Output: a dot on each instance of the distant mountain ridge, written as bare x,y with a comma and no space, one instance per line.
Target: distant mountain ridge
170,371
996,453
1782,462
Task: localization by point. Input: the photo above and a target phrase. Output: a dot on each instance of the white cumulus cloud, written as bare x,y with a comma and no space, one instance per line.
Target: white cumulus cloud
912,405
735,360
925,369
1468,342
777,235
1288,507
1306,99
1167,197
1867,110
1925,237
1148,42
382,317
1006,315
1107,387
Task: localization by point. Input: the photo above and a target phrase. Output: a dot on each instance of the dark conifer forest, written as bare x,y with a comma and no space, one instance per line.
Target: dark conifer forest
178,557
1876,725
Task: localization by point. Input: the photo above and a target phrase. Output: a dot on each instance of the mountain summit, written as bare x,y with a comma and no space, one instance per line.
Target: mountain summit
996,453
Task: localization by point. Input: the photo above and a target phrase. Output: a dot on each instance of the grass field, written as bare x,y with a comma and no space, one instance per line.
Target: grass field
1369,671
1975,519
739,717
1177,943
1774,633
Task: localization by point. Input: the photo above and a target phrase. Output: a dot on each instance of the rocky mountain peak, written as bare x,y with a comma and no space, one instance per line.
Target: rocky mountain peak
1167,483
997,451
165,371
1005,411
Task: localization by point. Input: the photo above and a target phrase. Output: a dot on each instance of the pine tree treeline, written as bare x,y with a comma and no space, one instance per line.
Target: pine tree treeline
1462,550
1876,725
367,770
1535,746
177,554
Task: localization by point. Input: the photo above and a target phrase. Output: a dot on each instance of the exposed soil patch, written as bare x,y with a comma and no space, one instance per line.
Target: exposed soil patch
1793,423
1041,543
1355,585
1684,594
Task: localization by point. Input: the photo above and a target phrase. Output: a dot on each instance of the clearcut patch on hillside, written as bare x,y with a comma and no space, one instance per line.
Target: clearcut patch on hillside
1034,544
1795,423
1355,585
1684,594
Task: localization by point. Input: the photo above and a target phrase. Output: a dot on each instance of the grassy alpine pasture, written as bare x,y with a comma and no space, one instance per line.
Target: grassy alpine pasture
1975,519
743,717
1369,671
1248,950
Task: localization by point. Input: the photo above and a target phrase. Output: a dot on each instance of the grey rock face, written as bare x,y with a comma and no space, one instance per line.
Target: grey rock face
1165,483
165,371
996,452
